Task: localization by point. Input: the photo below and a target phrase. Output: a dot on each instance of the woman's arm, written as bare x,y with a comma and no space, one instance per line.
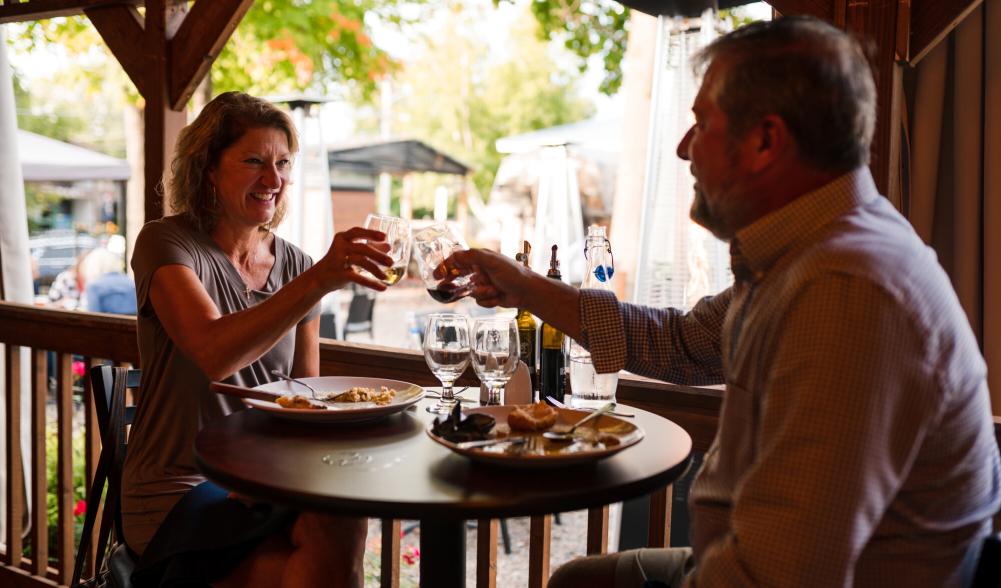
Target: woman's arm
306,361
222,344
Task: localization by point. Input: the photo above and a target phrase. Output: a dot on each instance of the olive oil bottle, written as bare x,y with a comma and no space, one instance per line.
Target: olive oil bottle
528,329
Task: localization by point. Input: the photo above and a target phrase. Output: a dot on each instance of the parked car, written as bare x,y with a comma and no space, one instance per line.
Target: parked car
57,250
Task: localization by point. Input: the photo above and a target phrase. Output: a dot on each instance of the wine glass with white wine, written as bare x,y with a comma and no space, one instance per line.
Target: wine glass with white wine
397,233
446,351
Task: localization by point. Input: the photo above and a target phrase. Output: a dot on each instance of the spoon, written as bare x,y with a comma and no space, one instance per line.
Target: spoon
617,413
567,435
295,381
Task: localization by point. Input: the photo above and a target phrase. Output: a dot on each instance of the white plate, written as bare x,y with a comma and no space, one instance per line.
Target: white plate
338,412
546,454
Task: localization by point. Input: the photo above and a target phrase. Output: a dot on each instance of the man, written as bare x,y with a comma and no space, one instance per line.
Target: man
855,445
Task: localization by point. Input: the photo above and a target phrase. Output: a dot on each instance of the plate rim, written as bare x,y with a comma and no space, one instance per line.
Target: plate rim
340,415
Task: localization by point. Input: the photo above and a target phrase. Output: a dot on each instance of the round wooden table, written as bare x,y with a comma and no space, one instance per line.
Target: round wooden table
392,469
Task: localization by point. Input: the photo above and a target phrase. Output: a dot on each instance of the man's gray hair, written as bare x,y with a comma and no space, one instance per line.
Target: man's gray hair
813,76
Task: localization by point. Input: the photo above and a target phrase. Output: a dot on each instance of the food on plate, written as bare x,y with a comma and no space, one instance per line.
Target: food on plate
532,417
298,401
457,427
382,397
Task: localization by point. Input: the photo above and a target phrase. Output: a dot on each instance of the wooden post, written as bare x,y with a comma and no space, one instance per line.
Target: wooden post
165,55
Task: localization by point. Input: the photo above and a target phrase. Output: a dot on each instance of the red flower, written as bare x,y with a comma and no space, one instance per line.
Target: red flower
412,555
79,368
80,508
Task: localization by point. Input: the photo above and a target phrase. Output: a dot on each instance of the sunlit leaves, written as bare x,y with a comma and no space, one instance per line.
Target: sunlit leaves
587,28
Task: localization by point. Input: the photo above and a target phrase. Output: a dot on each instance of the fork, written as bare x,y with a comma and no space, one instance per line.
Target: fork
617,413
295,381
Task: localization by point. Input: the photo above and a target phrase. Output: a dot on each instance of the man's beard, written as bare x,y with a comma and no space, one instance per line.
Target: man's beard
704,216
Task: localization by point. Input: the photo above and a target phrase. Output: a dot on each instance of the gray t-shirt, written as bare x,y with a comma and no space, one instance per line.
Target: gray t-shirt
174,398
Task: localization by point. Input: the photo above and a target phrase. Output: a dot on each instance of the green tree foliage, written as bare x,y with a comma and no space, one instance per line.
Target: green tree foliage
296,45
458,96
587,28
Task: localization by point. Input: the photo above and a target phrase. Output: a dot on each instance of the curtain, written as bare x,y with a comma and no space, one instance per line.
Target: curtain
953,169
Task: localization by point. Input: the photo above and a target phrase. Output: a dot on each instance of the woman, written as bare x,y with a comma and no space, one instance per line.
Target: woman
221,297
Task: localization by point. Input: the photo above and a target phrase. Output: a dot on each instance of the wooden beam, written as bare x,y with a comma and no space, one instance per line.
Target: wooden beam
121,27
932,21
162,124
40,9
198,42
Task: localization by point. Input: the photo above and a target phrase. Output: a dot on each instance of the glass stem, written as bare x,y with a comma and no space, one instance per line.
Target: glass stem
446,391
494,396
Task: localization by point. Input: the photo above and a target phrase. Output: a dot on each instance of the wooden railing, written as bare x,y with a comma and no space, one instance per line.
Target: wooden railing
33,336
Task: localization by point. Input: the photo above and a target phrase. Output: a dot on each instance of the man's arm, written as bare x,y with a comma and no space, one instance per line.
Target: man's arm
663,343
667,344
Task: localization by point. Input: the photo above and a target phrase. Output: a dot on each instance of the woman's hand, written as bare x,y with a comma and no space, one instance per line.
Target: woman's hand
353,249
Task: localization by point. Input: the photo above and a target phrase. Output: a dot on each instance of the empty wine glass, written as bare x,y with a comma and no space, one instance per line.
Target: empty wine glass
397,233
495,353
446,351
432,246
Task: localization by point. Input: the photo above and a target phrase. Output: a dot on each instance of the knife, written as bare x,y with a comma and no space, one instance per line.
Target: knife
489,442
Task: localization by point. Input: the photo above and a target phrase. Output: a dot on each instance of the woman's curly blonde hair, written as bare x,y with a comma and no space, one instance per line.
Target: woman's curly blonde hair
200,144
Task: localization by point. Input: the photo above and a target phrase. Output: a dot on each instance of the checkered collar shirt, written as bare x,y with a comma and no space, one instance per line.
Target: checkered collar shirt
855,445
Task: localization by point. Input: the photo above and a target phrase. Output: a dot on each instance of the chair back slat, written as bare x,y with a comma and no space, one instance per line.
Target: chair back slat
92,453
109,385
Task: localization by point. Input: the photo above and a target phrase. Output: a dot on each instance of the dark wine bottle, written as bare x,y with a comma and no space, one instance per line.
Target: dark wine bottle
527,329
552,362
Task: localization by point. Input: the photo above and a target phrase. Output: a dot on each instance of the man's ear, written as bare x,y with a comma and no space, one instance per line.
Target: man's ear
771,140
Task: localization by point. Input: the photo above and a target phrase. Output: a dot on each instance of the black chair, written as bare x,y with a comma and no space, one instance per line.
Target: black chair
360,312
109,384
988,574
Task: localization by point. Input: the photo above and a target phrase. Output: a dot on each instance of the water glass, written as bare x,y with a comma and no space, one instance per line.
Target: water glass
589,389
446,351
495,353
397,233
432,246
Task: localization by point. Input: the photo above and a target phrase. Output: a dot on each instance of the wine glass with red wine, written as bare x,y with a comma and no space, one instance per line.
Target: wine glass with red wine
432,246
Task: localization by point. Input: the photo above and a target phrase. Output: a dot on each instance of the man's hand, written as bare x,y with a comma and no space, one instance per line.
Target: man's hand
500,281
497,280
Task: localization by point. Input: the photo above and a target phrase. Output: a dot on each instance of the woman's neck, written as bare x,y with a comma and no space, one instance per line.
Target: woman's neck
243,246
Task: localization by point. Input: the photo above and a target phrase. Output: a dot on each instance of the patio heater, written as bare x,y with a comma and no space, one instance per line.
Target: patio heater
558,216
678,261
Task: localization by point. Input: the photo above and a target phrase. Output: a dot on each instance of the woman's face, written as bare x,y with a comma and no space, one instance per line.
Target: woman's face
251,177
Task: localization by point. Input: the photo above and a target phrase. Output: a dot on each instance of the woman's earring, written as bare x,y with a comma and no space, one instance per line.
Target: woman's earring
213,199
